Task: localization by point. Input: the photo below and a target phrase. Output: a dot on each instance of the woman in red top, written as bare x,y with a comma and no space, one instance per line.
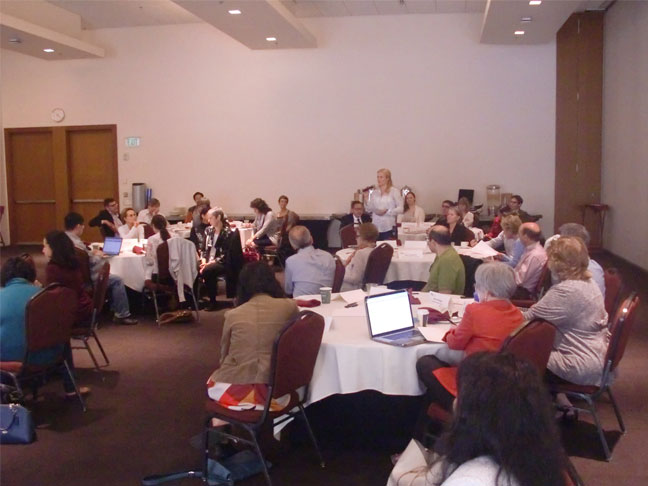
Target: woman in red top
483,328
64,268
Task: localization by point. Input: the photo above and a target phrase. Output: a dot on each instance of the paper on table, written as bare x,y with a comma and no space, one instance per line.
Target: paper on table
410,253
414,244
357,311
352,296
459,305
379,289
434,332
481,250
440,302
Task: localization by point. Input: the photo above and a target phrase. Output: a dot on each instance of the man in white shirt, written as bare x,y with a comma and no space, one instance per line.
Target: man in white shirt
309,269
74,226
146,215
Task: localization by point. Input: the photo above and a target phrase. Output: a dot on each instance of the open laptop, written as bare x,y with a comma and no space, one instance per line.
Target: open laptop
112,246
390,319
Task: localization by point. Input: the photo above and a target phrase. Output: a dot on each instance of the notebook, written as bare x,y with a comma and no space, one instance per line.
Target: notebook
390,319
112,246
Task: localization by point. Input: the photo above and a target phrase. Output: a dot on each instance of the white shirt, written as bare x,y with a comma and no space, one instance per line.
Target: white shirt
391,201
418,217
144,216
134,232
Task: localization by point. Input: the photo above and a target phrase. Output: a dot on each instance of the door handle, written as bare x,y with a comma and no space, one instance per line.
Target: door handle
87,200
36,201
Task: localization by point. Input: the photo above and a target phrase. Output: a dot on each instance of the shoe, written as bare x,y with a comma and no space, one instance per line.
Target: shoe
83,391
125,321
211,307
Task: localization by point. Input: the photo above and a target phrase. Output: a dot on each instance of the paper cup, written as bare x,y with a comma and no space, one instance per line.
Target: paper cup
325,294
464,244
422,315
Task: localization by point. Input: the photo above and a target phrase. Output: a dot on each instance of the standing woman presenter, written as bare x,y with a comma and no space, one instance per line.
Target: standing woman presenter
384,203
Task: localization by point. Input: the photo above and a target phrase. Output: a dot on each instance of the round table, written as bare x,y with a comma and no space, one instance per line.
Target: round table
405,264
131,267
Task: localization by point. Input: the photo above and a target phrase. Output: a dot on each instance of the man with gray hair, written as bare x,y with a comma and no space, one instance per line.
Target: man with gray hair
579,231
309,269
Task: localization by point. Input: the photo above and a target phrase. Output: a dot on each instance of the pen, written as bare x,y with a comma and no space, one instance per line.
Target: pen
353,304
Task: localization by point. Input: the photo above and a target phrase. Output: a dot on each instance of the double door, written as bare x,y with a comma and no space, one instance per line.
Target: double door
54,170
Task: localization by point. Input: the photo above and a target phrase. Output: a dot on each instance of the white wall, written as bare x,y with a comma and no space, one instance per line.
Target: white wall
625,131
417,94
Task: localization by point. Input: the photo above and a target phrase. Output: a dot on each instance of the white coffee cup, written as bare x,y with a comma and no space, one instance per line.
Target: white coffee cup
464,244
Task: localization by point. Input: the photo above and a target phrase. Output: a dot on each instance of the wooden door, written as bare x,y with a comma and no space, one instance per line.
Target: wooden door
54,170
92,169
30,183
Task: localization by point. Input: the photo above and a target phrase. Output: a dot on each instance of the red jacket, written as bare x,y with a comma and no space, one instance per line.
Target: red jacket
72,279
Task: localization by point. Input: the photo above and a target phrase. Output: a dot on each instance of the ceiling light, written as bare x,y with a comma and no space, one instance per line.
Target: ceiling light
525,20
271,39
535,2
234,12
519,32
48,50
15,40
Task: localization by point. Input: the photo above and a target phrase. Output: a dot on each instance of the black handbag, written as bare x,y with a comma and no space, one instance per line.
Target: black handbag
16,425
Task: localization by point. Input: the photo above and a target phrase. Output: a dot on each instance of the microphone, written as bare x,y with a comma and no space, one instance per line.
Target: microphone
368,188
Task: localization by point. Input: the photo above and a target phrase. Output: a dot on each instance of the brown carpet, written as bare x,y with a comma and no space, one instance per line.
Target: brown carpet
141,418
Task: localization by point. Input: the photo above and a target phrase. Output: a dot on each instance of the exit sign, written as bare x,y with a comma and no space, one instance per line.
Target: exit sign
133,141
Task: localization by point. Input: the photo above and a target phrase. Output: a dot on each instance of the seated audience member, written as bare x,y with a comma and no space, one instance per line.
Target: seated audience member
108,218
579,231
309,269
576,307
63,267
215,246
131,227
18,278
161,235
73,223
447,273
532,261
443,217
266,226
496,225
356,217
197,233
248,336
146,214
287,219
195,217
468,218
411,212
356,264
458,232
197,197
484,326
515,203
502,432
509,241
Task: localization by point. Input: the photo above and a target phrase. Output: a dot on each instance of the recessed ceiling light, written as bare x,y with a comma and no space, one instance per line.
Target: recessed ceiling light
271,39
535,2
234,12
15,40
48,50
526,20
519,32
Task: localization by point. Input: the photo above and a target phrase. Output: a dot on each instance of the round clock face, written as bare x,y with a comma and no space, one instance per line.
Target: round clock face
58,115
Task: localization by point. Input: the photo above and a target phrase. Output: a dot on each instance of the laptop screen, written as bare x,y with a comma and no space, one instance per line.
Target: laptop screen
112,245
389,312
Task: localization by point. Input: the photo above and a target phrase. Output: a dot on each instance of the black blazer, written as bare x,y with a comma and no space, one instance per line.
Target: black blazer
347,219
96,221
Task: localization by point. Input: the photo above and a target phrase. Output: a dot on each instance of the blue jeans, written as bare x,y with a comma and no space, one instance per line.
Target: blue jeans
118,296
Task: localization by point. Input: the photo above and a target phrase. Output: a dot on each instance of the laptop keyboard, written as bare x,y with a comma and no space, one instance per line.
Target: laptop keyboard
405,334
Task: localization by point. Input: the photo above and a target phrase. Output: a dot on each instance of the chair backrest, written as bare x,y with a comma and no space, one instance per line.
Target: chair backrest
294,353
620,329
233,263
338,277
533,342
470,267
148,230
613,288
84,262
544,282
348,236
99,294
378,264
163,261
49,317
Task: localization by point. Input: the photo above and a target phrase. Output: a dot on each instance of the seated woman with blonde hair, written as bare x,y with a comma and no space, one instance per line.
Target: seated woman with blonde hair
131,227
502,432
468,216
411,212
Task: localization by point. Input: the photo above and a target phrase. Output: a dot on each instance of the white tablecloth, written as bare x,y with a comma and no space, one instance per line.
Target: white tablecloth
244,233
183,230
403,267
130,266
349,361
